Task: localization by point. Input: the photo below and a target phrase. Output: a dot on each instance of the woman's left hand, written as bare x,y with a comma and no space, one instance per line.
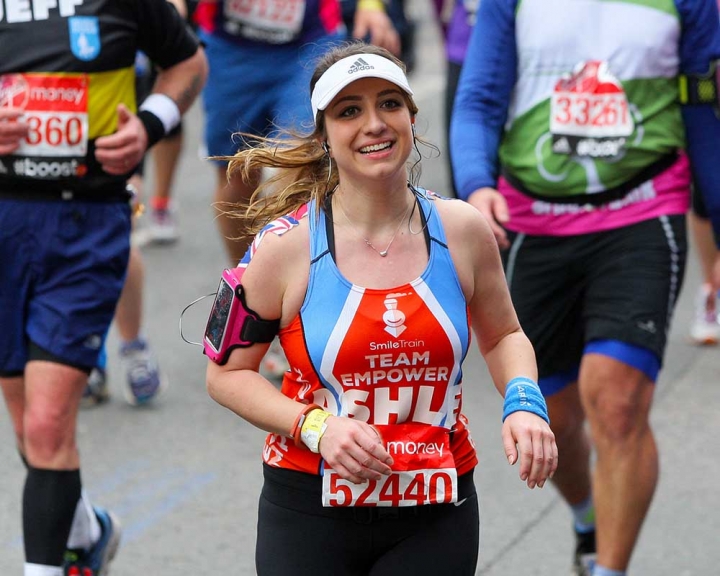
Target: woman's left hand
529,437
355,450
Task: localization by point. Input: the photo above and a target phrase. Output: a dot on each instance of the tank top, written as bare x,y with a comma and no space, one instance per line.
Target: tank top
389,357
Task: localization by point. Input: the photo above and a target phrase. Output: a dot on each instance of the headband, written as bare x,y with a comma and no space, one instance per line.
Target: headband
352,68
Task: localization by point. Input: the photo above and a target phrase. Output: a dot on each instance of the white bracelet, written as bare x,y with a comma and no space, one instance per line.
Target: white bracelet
313,429
311,438
164,107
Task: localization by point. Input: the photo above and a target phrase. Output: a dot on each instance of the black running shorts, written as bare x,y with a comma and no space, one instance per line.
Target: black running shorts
618,285
297,536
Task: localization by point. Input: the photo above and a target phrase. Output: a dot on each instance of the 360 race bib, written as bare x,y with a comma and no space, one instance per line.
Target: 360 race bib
423,472
56,110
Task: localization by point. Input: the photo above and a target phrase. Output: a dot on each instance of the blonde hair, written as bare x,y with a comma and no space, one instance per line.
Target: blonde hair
304,170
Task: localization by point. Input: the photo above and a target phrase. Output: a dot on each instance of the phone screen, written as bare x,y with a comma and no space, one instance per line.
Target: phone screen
217,323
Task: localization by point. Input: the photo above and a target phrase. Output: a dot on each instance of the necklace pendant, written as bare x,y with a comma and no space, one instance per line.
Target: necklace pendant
383,253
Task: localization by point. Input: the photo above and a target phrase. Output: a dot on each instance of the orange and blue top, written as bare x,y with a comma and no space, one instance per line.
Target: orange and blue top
385,356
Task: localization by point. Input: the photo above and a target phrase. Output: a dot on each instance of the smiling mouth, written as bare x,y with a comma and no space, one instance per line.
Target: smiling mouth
375,148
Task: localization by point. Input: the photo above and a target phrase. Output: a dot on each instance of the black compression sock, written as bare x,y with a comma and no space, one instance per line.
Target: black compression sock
49,501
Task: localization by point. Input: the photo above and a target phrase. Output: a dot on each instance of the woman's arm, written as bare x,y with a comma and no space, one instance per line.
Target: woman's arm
505,347
237,385
274,284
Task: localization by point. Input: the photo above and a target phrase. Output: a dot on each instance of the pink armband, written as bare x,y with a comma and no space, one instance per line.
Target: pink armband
231,323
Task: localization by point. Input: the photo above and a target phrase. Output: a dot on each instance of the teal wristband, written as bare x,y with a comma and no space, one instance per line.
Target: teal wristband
524,394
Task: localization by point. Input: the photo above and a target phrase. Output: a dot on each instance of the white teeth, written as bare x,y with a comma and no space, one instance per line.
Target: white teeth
375,147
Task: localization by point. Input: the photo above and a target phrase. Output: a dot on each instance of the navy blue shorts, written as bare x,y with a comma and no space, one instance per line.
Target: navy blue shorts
62,268
255,89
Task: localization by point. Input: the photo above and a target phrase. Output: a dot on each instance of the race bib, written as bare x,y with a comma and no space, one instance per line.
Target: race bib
423,472
274,21
589,113
56,109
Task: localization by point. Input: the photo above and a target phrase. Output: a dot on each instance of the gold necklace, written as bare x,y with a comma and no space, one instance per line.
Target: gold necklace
382,253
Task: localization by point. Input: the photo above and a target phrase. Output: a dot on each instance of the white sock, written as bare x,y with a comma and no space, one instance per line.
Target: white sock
40,570
85,530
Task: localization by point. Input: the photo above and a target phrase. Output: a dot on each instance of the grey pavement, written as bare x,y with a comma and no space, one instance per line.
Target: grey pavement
184,475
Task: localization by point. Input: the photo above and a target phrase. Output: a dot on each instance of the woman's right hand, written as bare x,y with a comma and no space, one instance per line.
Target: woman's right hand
493,206
354,450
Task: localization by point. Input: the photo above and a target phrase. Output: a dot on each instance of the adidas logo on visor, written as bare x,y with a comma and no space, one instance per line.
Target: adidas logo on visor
358,65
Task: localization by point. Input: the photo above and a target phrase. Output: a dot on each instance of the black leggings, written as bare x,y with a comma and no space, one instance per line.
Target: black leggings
298,537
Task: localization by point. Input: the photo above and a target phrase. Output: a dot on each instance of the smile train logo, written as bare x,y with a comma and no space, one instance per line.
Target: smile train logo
394,319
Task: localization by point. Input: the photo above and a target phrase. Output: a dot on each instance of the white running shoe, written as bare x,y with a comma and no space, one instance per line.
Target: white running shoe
144,380
705,329
162,226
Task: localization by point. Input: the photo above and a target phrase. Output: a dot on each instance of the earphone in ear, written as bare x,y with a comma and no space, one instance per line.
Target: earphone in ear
325,147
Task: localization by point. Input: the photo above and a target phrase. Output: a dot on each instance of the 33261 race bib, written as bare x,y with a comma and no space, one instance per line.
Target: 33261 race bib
423,472
589,113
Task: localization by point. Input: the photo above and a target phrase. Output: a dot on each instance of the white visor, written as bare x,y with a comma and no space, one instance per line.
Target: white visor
353,68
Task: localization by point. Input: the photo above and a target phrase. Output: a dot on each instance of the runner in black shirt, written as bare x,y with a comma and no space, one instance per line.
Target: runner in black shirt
69,137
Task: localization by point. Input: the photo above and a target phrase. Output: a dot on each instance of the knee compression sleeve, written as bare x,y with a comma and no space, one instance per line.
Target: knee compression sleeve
49,501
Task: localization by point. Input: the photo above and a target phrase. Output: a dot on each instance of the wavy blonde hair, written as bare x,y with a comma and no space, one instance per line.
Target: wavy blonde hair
304,170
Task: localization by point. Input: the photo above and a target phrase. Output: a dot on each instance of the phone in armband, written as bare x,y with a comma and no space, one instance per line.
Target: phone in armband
231,323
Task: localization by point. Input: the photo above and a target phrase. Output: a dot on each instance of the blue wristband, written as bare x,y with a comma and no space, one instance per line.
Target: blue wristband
524,394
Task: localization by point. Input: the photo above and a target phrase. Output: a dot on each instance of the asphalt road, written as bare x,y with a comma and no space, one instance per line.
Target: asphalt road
184,475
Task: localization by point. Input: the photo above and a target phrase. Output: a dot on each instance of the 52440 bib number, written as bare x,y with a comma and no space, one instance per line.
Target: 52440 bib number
423,472
399,489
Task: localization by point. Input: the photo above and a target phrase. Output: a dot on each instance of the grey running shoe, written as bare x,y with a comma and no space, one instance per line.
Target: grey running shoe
143,379
96,391
94,562
585,554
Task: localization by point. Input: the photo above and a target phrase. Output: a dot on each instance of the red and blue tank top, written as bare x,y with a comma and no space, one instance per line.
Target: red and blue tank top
390,357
